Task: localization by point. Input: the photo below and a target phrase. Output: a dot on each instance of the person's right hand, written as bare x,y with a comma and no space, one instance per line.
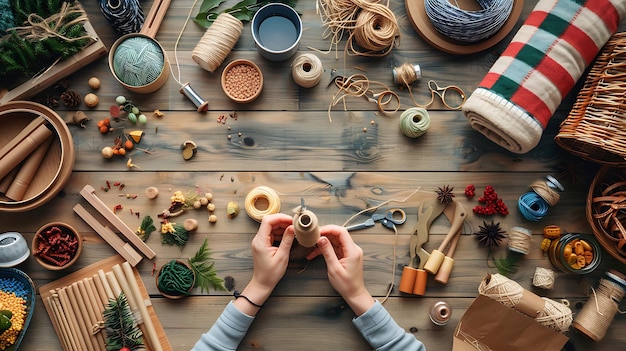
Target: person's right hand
344,261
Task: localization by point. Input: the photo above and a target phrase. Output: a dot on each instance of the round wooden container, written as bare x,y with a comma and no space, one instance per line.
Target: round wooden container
65,228
606,177
56,167
178,296
250,96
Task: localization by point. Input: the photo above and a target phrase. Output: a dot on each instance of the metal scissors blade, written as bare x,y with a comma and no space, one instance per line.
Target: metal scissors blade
368,223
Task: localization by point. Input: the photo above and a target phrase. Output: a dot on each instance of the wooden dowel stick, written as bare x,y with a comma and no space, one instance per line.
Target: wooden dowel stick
98,303
60,318
69,312
105,285
133,304
91,314
115,286
141,303
82,324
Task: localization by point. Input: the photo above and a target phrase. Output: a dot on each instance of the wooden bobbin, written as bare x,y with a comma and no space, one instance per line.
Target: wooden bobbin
306,227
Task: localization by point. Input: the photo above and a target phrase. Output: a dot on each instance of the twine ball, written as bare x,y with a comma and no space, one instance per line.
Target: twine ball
138,61
306,70
543,278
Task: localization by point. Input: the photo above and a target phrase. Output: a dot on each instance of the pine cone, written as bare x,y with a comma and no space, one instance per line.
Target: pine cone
71,98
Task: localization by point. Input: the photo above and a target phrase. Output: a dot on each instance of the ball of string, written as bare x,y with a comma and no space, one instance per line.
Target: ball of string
414,122
138,61
306,70
468,26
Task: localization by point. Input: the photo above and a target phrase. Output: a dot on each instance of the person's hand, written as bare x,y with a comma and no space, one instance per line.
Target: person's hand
344,261
270,262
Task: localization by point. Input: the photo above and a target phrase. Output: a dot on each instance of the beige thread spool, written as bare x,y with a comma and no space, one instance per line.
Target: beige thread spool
217,42
406,73
306,227
306,70
519,240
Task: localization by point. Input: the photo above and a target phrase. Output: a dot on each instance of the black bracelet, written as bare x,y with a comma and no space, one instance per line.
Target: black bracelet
237,295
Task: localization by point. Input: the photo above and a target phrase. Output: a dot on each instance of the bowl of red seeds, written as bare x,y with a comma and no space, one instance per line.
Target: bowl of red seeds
242,80
56,246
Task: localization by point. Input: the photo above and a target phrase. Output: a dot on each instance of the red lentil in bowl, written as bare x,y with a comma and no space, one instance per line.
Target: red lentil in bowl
242,81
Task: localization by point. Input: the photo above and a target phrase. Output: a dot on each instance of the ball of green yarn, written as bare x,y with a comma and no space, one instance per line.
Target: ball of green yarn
138,61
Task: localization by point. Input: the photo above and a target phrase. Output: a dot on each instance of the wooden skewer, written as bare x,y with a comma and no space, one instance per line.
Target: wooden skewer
69,312
124,249
78,313
91,314
134,287
61,320
89,193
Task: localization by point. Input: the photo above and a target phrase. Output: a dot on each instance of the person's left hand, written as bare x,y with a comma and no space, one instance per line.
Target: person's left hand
270,262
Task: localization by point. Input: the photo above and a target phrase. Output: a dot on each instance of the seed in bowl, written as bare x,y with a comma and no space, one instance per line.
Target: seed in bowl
242,81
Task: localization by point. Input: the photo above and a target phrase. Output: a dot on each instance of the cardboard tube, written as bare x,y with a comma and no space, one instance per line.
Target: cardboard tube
60,317
81,290
407,280
27,171
23,149
420,282
434,261
73,323
30,127
5,183
78,310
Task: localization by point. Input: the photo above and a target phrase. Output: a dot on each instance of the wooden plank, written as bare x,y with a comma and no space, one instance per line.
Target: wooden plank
88,193
123,248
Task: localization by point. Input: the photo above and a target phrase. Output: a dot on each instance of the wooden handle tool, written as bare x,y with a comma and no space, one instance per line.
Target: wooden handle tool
437,256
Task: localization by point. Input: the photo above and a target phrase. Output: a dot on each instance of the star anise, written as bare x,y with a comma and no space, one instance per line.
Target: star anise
490,235
445,194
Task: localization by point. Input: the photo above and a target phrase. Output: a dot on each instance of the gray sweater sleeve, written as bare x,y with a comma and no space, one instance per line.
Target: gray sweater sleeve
383,333
376,326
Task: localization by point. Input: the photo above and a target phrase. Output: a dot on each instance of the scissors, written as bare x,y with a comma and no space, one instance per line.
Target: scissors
389,220
359,85
435,89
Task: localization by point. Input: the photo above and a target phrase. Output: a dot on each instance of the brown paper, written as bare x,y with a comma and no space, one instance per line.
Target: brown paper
27,171
489,325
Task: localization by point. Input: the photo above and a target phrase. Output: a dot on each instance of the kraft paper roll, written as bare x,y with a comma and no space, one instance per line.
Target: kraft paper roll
18,153
27,171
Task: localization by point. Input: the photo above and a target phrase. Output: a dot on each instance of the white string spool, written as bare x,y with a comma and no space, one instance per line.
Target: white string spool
262,201
217,42
519,240
543,278
306,70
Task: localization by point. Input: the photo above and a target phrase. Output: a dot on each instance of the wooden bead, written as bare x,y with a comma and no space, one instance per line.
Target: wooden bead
91,100
94,83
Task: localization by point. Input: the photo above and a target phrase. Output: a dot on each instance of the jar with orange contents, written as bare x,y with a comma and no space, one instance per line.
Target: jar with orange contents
575,253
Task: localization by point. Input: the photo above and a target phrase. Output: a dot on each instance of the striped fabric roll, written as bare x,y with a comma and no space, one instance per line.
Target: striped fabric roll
558,41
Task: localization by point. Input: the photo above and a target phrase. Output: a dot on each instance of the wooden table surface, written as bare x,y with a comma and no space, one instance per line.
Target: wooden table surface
284,140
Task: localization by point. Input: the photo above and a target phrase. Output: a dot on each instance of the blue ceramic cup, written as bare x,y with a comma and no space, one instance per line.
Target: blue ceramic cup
277,30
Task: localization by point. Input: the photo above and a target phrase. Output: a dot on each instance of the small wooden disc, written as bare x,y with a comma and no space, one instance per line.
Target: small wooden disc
417,15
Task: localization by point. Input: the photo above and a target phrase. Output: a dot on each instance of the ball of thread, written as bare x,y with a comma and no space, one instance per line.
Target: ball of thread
217,42
555,315
376,28
262,201
598,312
138,61
519,240
414,122
306,70
543,278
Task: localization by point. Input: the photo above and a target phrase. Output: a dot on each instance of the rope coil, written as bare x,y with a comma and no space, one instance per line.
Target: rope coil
306,70
262,201
534,205
217,42
468,26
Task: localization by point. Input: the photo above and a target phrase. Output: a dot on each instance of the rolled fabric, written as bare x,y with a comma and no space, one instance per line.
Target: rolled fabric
560,38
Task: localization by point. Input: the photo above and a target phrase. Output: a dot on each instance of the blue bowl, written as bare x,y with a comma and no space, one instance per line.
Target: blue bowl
26,291
276,30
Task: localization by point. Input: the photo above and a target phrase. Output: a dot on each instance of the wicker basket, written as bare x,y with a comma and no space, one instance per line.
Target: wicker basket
595,128
605,201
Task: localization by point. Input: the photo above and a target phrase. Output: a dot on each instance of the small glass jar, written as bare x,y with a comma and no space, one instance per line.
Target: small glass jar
575,253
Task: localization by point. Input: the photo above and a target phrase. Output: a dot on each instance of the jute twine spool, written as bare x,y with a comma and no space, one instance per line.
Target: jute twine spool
534,205
543,278
262,201
217,42
376,28
414,122
597,314
519,240
406,74
138,61
552,314
306,70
